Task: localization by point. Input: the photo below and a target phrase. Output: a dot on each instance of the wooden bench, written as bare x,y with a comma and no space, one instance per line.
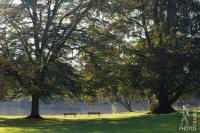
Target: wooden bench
94,113
66,114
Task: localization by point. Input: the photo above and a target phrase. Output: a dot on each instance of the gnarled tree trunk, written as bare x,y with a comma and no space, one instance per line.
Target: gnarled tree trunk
163,106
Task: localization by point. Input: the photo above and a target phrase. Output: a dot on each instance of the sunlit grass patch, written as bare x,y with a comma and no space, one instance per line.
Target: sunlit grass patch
93,117
136,122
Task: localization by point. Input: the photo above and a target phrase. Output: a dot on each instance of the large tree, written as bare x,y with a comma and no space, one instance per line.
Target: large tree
160,42
164,45
41,38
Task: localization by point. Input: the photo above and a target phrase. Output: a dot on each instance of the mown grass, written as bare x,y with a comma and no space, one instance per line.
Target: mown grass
114,123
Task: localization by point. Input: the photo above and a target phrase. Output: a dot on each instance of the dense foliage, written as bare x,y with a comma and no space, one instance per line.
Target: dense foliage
100,51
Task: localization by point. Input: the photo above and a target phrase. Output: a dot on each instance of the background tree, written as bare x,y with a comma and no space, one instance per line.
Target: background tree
110,74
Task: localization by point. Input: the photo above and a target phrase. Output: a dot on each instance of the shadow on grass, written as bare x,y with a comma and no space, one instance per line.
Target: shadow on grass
143,124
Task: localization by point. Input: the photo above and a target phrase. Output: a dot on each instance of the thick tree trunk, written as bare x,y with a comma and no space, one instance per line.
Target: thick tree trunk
164,105
163,108
35,107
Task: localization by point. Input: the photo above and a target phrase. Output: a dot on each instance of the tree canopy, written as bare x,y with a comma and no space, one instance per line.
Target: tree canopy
110,50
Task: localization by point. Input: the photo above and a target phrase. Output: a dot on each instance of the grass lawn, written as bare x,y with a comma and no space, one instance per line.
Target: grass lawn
113,123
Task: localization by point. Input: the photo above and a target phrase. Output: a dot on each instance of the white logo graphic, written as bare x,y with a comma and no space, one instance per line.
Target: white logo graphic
189,119
185,115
